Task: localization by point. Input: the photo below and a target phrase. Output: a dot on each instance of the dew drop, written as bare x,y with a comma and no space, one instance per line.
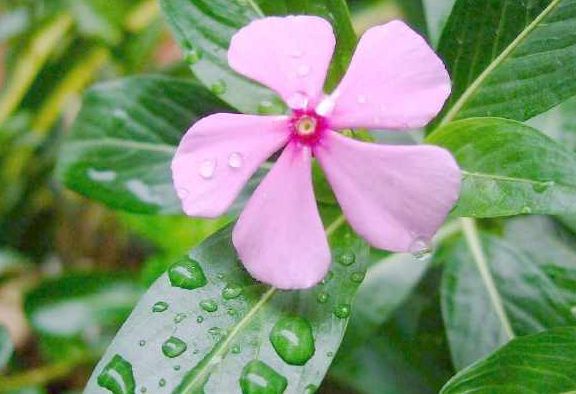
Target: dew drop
207,168
573,310
541,187
221,276
235,160
258,378
342,311
303,70
142,343
310,389
328,277
177,367
298,100
182,193
330,354
101,175
209,305
117,376
292,339
143,389
173,347
358,276
160,306
179,318
322,297
421,249
162,382
526,210
232,312
361,99
326,106
192,56
347,258
218,87
187,274
216,333
236,349
231,291
199,319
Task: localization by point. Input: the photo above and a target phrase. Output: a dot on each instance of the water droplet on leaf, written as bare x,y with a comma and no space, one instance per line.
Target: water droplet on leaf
187,274
541,187
526,210
117,376
173,347
235,349
218,87
358,276
192,56
199,319
259,378
322,297
142,343
310,389
231,291
292,339
160,306
347,258
421,249
342,311
162,382
179,318
209,305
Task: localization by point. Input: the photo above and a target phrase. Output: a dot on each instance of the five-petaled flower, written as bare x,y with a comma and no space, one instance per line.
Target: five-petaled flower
393,196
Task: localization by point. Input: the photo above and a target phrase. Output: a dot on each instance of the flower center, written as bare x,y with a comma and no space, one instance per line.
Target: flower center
306,126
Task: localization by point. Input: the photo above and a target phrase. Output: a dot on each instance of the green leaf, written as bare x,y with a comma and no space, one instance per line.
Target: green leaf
6,347
100,19
509,168
208,325
541,363
512,59
559,123
121,145
437,12
492,292
203,29
79,312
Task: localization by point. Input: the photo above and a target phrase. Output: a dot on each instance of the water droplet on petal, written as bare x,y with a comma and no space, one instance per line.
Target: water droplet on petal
207,168
326,106
361,99
298,100
347,258
342,311
235,160
292,339
303,70
187,274
182,193
117,376
259,378
173,347
160,306
421,249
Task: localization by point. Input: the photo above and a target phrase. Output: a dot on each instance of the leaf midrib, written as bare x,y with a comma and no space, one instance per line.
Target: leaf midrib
504,178
469,92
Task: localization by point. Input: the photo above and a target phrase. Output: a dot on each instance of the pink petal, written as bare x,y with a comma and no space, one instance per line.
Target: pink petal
395,81
219,154
290,55
279,236
395,197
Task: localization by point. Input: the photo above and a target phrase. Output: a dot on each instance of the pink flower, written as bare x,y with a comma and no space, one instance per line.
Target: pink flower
393,196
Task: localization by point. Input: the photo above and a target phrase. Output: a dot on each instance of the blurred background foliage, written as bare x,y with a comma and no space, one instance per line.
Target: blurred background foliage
70,269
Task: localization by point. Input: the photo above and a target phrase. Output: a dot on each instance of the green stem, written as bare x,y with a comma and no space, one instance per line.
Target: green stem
31,62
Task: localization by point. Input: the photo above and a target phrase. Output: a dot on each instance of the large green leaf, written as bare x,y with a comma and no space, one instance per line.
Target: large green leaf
203,29
492,291
509,168
122,142
541,363
206,325
513,59
79,312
